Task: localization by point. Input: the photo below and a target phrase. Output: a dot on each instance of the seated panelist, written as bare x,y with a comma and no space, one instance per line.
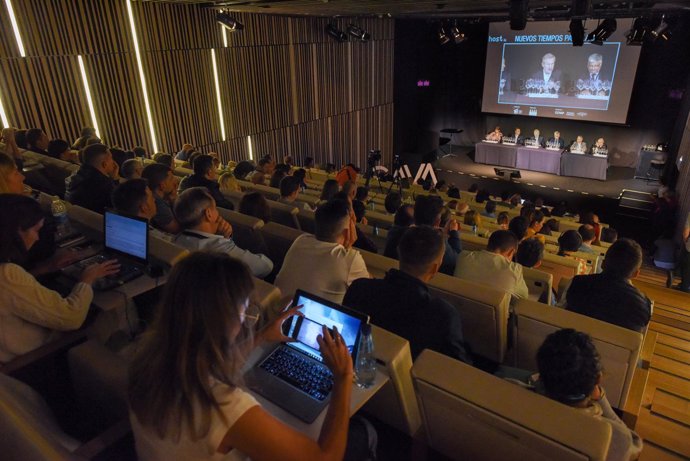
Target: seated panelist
599,147
495,135
516,137
556,140
538,138
579,145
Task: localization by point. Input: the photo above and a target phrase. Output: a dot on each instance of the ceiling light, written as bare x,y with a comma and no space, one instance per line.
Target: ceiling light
458,35
358,33
639,32
443,37
228,22
661,30
603,31
577,32
336,33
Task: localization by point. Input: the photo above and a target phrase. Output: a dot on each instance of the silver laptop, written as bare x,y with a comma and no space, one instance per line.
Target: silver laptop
293,375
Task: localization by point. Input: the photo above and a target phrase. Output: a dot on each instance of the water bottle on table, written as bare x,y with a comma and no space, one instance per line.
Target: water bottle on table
365,370
58,209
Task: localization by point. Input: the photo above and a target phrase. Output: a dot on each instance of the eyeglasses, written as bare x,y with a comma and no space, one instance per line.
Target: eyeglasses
251,314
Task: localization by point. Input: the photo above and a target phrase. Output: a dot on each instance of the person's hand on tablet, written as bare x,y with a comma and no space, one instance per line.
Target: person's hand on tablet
335,354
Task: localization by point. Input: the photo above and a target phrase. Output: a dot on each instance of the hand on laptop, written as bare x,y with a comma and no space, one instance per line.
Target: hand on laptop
96,271
335,354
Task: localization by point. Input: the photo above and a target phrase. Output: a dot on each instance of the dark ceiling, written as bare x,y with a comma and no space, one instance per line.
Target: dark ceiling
489,9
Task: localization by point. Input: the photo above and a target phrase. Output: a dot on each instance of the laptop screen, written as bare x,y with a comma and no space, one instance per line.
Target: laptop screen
318,312
126,235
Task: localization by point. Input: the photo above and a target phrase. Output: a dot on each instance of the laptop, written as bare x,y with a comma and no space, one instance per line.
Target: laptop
125,239
292,375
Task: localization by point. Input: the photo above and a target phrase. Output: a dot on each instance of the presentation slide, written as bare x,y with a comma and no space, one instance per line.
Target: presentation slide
538,72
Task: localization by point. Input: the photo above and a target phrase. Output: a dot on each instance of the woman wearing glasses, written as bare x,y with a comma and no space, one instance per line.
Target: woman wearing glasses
185,394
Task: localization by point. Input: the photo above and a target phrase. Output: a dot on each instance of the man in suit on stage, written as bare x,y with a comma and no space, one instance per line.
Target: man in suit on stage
579,145
556,141
519,139
538,138
548,72
594,73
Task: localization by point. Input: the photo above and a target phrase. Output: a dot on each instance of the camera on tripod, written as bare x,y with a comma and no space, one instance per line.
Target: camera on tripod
373,158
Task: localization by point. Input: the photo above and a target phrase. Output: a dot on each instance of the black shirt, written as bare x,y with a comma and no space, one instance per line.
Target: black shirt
611,299
89,188
450,256
402,305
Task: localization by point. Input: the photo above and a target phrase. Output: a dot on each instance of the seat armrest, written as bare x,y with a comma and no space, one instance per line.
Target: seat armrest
63,343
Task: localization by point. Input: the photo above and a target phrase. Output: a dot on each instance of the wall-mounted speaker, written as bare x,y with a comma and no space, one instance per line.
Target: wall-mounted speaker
518,14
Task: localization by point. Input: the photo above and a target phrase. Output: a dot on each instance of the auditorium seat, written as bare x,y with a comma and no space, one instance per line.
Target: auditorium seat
469,414
246,231
182,172
558,267
396,402
284,214
54,170
233,197
307,221
539,284
619,347
279,239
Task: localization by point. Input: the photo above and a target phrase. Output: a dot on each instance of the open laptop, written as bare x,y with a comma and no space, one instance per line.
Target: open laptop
293,375
125,239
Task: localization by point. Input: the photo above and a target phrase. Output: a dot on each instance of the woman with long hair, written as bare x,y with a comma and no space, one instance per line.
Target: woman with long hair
11,179
30,312
185,394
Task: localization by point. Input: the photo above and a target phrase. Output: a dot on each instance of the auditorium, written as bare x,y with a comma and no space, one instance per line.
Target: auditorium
345,230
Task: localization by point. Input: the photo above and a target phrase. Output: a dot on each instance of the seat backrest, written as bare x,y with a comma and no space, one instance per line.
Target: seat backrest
381,219
395,403
473,242
307,221
233,197
278,239
538,283
284,214
271,193
54,170
558,267
85,217
469,414
182,172
618,347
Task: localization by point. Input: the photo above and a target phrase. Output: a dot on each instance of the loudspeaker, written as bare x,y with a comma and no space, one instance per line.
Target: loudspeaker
518,14
580,8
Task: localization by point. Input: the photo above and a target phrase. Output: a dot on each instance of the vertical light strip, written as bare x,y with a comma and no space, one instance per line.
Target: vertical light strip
225,35
251,150
15,27
220,105
3,116
142,78
89,101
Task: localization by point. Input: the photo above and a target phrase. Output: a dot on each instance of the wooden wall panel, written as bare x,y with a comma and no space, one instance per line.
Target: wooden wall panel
176,27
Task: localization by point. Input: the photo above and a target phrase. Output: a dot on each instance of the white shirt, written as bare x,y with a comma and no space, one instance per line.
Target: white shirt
234,403
492,269
325,269
30,312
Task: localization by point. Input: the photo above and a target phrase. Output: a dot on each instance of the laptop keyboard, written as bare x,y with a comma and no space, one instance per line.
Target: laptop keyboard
306,375
127,272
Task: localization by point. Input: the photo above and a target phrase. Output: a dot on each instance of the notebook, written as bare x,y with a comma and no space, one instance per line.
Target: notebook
125,239
292,375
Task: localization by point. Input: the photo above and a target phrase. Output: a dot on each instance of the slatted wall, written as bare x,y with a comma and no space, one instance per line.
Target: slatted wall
283,81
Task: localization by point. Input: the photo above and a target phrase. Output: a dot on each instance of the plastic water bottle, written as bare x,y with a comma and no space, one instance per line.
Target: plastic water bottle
59,211
366,361
375,229
474,229
372,205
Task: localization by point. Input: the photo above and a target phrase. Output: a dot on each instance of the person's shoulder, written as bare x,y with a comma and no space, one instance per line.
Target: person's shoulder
11,272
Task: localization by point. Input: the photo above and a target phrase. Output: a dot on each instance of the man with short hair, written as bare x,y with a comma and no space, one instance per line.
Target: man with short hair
184,153
163,185
37,141
489,209
556,140
204,229
494,266
530,253
289,190
60,149
402,304
588,235
548,72
610,296
205,175
92,185
134,198
324,264
131,169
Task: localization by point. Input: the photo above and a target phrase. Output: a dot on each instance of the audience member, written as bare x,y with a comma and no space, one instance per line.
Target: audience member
300,174
92,185
11,179
242,170
349,188
403,219
482,196
204,229
185,152
473,189
289,190
568,243
255,204
20,138
140,152
362,194
86,134
453,192
264,167
551,225
561,209
9,145
610,296
515,201
60,149
472,219
586,231
363,242
228,183
392,202
570,372
325,263
165,159
308,163
461,209
593,220
348,173
276,178
502,220
427,212
163,185
330,188
120,155
258,178
489,209
287,160
530,253
518,226
685,257
609,235
185,395
535,226
134,198
402,304
664,254
494,265
37,141
206,176
131,169
32,314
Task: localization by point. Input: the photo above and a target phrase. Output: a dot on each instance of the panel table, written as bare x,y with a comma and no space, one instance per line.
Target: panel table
495,154
584,166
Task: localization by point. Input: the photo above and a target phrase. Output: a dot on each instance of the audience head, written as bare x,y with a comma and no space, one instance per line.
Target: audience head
160,179
609,235
11,179
287,160
490,207
552,225
445,216
99,157
452,204
300,174
276,178
359,209
131,169
518,226
420,251
165,159
243,168
332,221
589,218
539,202
140,152
330,188
461,209
623,259
427,210
283,167
472,218
120,156
330,168
392,202
255,204
87,132
586,231
350,188
404,217
504,243
362,194
20,138
527,211
502,220
195,208
203,167
190,159
61,150
474,187
569,240
515,200
289,187
453,192
482,196
228,183
530,253
505,195
569,366
198,326
93,140
22,219
134,198
264,165
258,178
537,221
308,162
36,138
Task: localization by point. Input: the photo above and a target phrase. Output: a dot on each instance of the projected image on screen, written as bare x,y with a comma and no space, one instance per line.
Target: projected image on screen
538,72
